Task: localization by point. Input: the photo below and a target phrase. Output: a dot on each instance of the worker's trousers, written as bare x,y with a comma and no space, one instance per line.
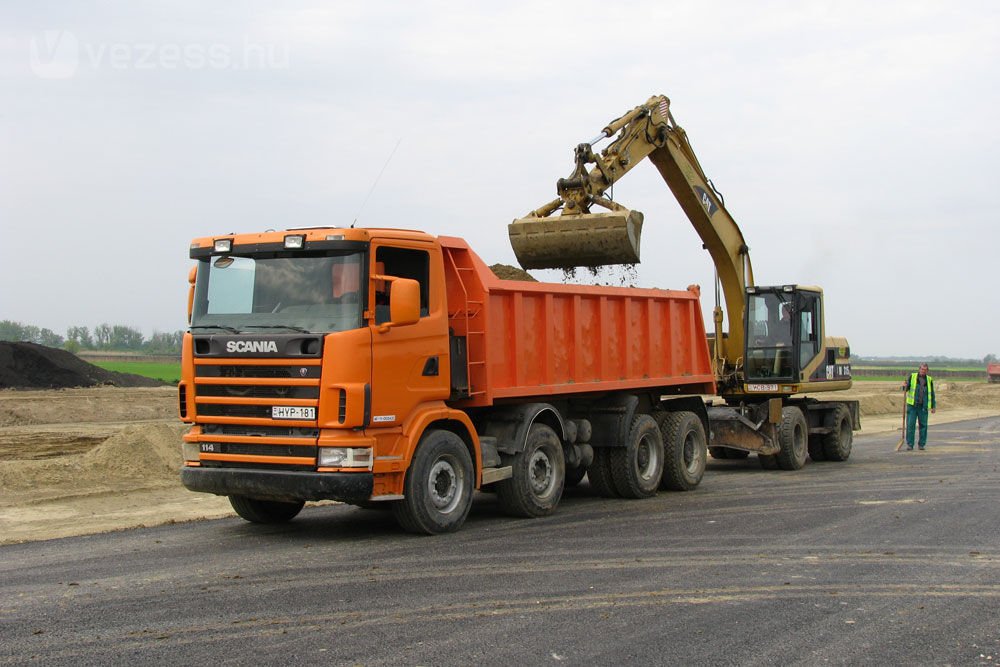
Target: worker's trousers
914,413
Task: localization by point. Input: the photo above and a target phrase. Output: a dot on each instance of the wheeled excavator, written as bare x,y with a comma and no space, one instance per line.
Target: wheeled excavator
776,348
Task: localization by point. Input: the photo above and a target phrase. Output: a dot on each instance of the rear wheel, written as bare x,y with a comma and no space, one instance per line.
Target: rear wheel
575,475
793,436
438,486
637,468
539,473
685,450
838,442
265,511
600,473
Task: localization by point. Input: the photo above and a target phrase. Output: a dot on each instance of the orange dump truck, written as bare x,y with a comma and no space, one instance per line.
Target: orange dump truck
384,366
993,372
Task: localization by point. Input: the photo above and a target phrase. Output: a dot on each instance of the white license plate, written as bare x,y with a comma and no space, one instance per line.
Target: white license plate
292,412
762,387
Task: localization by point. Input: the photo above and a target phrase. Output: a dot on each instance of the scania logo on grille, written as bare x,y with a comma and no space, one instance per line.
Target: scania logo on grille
257,346
303,372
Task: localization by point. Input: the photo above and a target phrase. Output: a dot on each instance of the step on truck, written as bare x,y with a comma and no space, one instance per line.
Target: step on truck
393,368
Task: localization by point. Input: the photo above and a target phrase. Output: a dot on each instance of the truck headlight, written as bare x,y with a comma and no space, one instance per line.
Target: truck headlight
345,457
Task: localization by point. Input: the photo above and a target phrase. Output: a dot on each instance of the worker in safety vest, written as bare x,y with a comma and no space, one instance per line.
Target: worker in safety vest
920,396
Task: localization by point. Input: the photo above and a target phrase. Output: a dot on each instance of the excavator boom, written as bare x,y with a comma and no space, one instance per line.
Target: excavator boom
580,237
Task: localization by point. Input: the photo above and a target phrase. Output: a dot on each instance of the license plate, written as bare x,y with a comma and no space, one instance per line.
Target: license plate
762,387
292,412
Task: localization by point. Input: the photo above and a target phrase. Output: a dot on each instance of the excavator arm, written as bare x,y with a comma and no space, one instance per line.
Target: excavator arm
580,237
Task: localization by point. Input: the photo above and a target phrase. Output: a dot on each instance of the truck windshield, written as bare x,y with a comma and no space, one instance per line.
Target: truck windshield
308,292
769,336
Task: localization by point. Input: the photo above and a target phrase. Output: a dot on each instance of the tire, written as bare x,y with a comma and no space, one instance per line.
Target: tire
685,451
837,443
637,468
816,452
767,462
575,475
600,474
720,453
793,437
437,491
265,511
539,475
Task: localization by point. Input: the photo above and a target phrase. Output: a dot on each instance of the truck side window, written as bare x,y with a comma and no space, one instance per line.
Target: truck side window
401,263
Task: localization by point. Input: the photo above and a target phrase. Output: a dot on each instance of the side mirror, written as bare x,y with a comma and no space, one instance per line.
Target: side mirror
192,276
404,303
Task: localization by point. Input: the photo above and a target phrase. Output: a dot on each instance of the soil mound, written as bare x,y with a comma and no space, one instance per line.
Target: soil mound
31,366
508,272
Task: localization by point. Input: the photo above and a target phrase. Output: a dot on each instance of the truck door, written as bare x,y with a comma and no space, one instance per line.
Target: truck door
410,364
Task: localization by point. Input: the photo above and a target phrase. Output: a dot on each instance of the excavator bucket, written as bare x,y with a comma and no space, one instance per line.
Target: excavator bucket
567,241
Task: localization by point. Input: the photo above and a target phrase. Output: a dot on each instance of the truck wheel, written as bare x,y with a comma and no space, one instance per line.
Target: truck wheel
719,452
767,462
685,451
838,442
539,473
438,486
793,436
575,475
265,511
637,468
600,474
816,452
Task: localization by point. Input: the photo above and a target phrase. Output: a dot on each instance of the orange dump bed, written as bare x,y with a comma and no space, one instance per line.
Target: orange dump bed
527,339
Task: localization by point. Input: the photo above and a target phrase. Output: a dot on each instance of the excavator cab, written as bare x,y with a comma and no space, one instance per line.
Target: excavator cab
784,332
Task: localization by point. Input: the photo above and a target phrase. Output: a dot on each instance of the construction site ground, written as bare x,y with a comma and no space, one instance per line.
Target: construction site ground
83,461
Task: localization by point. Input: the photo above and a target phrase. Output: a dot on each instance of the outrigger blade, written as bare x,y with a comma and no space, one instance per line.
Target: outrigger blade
567,241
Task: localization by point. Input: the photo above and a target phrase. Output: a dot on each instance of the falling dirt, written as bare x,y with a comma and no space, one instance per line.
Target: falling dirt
81,461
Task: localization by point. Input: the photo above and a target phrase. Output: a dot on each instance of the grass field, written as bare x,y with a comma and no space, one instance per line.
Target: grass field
165,372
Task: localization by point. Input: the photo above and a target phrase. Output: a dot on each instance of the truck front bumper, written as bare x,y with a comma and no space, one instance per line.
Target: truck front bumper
348,487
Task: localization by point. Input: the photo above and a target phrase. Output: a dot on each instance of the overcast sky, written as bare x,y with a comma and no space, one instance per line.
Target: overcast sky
856,143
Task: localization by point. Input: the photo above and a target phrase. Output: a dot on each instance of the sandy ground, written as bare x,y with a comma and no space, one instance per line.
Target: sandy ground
82,461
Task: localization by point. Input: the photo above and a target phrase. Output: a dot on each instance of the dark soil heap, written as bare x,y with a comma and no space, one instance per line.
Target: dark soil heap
31,366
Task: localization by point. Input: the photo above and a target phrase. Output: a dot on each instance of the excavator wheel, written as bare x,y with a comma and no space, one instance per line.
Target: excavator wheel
567,241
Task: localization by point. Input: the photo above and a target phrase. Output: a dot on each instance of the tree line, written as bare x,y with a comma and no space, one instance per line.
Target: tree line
111,337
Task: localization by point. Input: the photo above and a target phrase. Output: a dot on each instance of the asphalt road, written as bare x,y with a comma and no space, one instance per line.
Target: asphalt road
889,558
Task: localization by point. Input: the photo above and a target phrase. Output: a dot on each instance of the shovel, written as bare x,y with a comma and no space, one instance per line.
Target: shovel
902,436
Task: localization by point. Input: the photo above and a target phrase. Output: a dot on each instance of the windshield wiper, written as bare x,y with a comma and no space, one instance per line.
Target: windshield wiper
223,327
277,326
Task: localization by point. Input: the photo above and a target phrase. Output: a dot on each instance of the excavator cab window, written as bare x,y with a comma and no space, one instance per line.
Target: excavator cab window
770,336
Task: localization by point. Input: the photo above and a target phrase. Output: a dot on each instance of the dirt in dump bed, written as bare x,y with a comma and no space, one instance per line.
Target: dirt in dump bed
31,366
508,272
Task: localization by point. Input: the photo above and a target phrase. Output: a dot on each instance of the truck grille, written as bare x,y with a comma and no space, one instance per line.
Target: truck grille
228,390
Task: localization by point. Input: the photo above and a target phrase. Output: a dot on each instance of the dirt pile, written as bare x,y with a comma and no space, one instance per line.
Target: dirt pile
508,272
31,366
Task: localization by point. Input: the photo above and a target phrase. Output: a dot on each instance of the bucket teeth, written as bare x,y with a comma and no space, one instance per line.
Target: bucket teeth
567,241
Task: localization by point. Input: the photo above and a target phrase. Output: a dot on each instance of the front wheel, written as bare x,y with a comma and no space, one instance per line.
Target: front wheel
438,486
793,437
538,475
685,450
265,511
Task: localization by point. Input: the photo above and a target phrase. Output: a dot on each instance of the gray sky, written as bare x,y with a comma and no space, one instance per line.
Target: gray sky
856,143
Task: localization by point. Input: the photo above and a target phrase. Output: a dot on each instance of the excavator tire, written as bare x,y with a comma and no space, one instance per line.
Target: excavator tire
793,436
838,442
